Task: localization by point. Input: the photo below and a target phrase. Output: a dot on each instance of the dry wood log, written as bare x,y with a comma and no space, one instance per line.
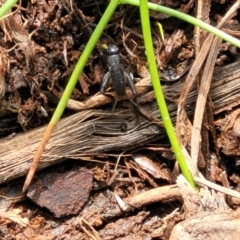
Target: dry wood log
97,132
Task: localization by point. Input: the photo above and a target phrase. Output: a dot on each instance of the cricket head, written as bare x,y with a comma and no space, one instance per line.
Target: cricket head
112,50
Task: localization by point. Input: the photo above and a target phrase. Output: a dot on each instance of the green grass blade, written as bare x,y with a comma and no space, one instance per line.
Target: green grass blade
144,12
6,7
189,19
68,91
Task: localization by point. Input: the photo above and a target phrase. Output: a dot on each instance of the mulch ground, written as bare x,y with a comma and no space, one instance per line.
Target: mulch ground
116,176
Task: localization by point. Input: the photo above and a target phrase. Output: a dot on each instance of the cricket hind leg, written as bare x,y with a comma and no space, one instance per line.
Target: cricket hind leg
113,98
130,83
135,107
138,109
114,105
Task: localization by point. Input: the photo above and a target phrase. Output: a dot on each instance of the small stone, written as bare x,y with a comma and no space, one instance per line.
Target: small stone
63,194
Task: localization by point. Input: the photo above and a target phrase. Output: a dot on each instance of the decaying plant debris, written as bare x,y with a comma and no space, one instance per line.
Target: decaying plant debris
40,44
201,209
94,133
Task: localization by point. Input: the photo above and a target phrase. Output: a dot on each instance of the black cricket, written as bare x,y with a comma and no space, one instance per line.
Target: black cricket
117,74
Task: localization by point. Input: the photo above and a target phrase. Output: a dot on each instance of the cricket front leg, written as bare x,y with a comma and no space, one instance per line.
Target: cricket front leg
103,88
105,83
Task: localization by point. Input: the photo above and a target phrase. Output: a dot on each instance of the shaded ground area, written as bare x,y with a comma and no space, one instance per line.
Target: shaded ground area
118,181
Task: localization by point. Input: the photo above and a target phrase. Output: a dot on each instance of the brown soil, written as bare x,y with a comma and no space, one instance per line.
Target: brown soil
80,194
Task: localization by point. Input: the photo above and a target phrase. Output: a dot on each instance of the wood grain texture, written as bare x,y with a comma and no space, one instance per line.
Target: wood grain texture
97,132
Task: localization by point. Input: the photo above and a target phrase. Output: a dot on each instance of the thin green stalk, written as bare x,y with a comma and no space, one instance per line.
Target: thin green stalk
68,90
189,19
6,7
144,12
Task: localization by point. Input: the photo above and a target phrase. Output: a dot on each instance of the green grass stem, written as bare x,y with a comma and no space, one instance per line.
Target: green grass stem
187,18
144,12
6,7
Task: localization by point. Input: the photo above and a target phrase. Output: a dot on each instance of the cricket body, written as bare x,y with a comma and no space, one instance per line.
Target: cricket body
117,74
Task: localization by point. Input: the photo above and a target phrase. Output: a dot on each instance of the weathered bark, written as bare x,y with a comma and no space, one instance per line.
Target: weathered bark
96,132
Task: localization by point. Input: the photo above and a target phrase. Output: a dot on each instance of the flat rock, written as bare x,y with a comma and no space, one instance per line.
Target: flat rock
213,226
62,193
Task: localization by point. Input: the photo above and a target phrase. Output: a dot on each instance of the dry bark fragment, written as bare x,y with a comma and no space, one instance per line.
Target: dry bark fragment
88,137
63,194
